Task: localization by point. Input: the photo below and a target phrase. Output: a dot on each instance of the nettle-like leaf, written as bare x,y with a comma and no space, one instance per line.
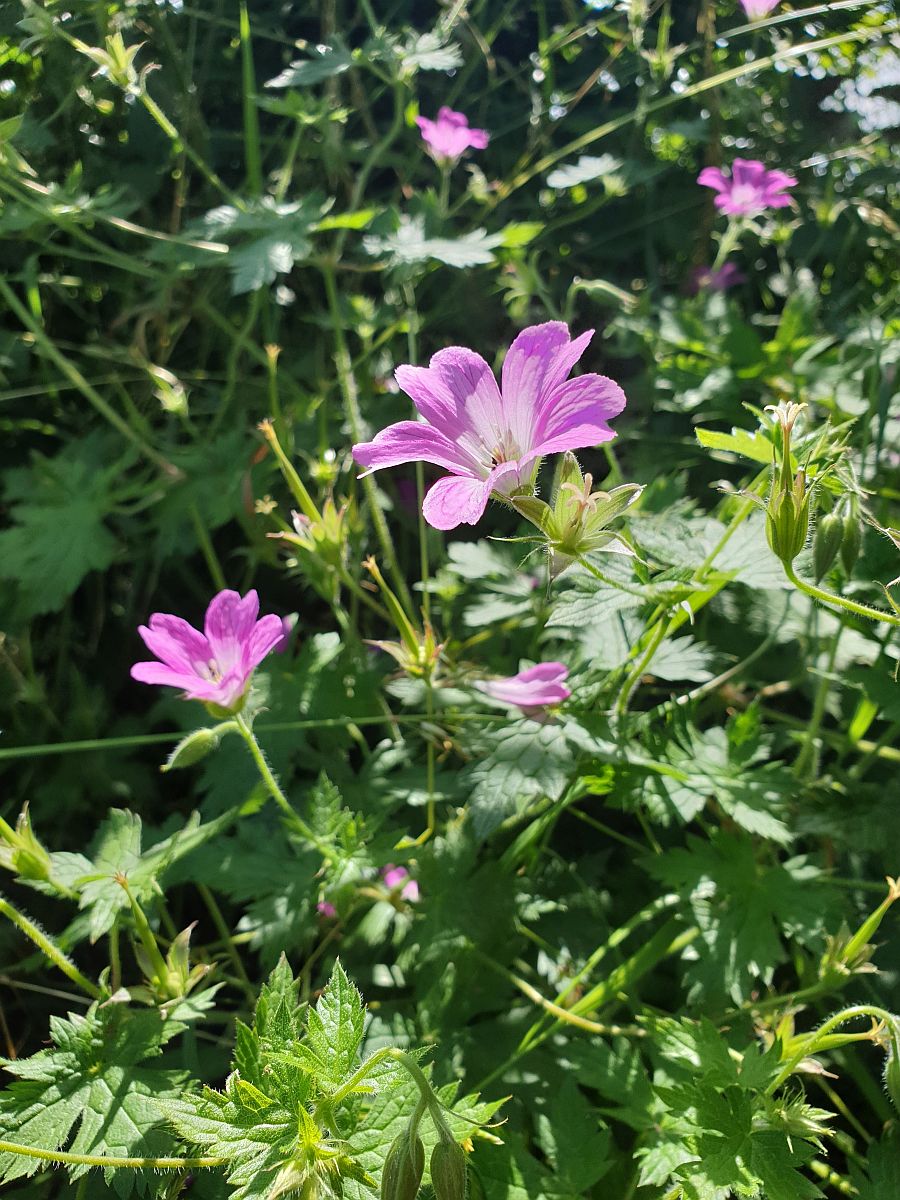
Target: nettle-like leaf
881,1179
280,1121
90,1093
746,910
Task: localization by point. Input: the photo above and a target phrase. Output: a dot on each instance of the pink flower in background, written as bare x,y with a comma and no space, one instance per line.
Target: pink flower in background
489,438
450,136
287,629
394,877
705,279
750,189
214,666
531,689
757,9
326,909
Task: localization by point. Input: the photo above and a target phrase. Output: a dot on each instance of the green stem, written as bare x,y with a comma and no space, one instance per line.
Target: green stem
182,147
730,238
268,778
71,372
634,676
861,610
811,1041
100,1160
207,549
350,394
48,948
224,932
805,764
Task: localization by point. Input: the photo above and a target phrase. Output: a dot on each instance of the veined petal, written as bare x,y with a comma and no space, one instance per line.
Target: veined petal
411,441
748,171
456,500
266,635
228,625
159,673
474,394
533,688
175,642
435,401
588,400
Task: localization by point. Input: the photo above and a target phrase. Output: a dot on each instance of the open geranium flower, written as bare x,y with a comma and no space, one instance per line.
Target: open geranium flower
531,689
750,189
492,438
448,137
214,666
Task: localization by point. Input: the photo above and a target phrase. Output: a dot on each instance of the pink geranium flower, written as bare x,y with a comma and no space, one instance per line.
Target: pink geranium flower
394,878
757,9
491,439
326,909
214,666
450,135
531,689
750,189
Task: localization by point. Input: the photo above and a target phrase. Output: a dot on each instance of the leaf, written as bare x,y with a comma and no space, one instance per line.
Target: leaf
410,244
586,169
881,1180
429,52
752,444
327,62
117,852
745,911
577,1149
58,509
89,1093
522,762
335,1029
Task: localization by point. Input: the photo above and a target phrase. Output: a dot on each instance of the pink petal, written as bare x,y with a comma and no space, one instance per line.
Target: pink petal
574,409
747,171
265,637
411,441
159,673
524,374
228,625
437,402
175,642
779,179
533,688
393,876
473,388
456,500
712,177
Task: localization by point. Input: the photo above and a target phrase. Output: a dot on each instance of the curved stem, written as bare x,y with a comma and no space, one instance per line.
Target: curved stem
861,610
48,948
354,419
812,1040
100,1160
274,787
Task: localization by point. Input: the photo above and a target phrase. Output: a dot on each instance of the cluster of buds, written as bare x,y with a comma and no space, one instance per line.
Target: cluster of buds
172,978
418,651
787,513
404,1166
115,62
577,521
22,853
320,536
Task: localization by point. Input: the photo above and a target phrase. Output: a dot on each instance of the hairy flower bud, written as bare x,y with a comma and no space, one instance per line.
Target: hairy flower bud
826,544
851,542
448,1170
787,521
403,1168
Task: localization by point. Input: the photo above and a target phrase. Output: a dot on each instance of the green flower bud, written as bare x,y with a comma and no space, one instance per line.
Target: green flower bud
403,1169
850,543
448,1170
826,544
892,1066
787,522
193,748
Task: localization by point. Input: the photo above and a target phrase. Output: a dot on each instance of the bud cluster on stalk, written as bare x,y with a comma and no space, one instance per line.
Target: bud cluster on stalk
787,513
577,521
